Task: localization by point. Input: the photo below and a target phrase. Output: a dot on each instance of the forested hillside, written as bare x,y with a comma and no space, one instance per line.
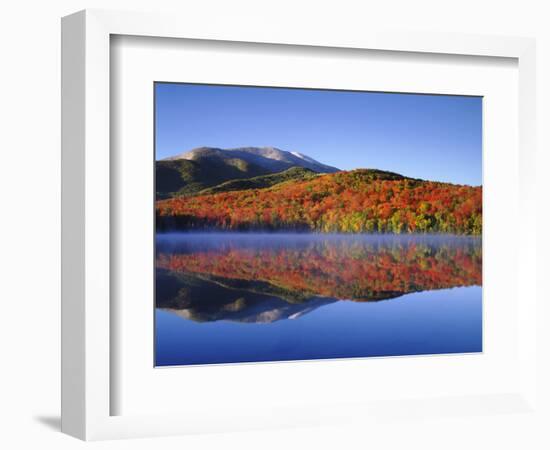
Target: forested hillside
357,201
205,167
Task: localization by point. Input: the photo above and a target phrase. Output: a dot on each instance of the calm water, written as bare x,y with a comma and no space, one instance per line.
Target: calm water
242,297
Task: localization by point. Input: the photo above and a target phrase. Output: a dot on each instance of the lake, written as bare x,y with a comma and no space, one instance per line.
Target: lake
250,297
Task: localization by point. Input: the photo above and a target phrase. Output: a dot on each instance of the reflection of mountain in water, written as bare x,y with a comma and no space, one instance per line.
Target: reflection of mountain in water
264,283
203,300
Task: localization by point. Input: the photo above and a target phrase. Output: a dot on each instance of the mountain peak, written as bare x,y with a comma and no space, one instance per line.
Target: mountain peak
270,158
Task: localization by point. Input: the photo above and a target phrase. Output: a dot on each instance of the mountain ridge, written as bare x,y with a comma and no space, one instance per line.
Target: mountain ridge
201,168
270,158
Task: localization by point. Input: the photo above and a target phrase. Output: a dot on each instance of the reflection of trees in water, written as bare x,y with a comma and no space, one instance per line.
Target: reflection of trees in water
355,270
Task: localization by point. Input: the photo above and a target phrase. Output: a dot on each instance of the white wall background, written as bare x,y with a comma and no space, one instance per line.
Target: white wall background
30,237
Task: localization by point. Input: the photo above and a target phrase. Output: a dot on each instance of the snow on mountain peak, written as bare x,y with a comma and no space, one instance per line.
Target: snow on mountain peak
271,158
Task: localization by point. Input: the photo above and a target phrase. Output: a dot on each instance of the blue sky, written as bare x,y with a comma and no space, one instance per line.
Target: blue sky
433,137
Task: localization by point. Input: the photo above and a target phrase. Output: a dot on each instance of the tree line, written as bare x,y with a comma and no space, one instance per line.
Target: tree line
344,202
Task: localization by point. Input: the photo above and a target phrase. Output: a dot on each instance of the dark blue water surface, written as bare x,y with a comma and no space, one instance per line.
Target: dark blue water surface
227,298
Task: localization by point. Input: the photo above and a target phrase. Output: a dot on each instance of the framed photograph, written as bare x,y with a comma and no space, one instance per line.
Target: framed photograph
267,229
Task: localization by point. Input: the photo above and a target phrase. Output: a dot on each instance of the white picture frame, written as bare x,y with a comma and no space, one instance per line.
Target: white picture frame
86,238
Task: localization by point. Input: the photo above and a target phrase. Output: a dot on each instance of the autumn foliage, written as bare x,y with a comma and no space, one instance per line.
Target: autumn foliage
359,201
338,270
